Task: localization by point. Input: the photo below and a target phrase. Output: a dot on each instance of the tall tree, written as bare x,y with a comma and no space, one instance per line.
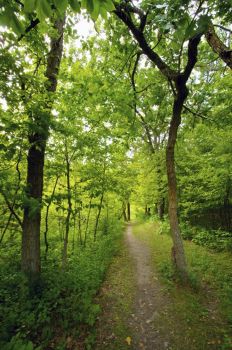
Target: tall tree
178,79
37,138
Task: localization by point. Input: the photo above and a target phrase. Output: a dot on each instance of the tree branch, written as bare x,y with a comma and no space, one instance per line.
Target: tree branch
197,114
11,208
218,46
223,28
192,55
123,12
32,25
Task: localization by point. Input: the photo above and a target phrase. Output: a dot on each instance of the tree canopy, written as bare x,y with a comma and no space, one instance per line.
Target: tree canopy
133,121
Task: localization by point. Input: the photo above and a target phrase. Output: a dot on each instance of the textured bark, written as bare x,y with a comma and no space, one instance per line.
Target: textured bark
32,216
178,255
35,164
224,52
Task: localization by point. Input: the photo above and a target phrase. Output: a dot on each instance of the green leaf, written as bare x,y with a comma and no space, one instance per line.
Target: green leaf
90,6
203,23
4,19
103,12
29,6
109,5
84,4
43,9
189,32
16,25
75,5
29,346
96,10
61,5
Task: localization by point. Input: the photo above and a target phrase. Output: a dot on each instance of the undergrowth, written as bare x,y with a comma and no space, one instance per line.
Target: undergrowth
63,301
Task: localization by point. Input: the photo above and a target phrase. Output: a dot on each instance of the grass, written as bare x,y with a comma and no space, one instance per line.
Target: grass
116,300
200,317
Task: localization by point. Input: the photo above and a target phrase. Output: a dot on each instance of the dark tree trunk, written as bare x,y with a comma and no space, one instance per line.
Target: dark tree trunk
80,228
47,216
124,214
128,211
98,216
146,210
35,163
178,255
160,208
69,210
32,210
87,222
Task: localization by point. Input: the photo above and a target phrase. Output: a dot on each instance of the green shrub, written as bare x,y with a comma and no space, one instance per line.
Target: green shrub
164,227
214,239
62,300
188,232
17,343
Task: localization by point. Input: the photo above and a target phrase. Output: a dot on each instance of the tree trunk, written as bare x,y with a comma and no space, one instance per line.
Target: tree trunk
224,52
47,216
178,255
87,222
160,208
35,163
32,209
98,216
80,228
128,211
67,221
146,210
124,212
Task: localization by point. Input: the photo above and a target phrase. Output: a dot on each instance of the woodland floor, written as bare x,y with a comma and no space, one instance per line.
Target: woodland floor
140,311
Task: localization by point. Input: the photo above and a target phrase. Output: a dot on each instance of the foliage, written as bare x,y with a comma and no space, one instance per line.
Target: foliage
105,130
61,301
12,12
214,239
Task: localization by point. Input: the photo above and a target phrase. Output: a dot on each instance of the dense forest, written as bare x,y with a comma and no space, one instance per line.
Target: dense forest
115,116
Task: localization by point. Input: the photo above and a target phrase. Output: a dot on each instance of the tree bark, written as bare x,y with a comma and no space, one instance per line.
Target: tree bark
224,52
67,221
98,216
80,228
178,255
47,216
128,211
160,208
30,260
87,222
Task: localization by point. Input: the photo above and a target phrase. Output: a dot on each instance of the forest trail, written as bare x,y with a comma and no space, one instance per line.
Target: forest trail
149,299
144,309
144,299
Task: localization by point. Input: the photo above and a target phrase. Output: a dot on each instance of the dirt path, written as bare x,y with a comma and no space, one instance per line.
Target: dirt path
144,310
150,300
132,302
